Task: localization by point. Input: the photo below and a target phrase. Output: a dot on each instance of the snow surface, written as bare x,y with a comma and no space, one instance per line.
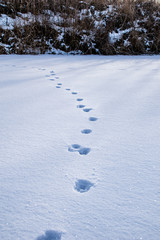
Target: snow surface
61,181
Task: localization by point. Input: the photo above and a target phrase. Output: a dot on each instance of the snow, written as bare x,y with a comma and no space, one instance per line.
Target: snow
116,36
49,190
7,22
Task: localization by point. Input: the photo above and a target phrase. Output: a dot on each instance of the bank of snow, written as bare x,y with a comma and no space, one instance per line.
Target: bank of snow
64,176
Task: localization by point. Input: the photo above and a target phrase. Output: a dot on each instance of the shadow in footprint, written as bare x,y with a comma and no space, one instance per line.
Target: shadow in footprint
74,93
84,151
78,148
80,106
79,99
87,109
93,119
74,148
86,131
58,87
83,185
50,235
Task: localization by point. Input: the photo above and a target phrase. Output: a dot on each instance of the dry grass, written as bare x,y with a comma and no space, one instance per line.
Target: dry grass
80,31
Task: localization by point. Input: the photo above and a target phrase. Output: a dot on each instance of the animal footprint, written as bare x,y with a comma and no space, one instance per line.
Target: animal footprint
82,185
79,99
74,148
87,109
59,84
86,131
93,119
74,93
56,77
47,75
51,79
80,106
58,87
78,148
68,89
84,151
50,235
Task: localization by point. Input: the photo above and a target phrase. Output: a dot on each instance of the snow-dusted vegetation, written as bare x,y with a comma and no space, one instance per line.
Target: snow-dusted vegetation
79,27
70,174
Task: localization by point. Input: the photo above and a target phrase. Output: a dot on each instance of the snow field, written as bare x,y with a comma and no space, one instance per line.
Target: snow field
79,148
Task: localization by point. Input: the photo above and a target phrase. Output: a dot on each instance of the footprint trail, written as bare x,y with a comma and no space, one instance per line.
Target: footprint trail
79,99
83,186
78,148
51,235
86,131
87,109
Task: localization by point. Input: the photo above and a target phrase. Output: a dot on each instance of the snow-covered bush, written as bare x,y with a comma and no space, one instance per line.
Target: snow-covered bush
86,27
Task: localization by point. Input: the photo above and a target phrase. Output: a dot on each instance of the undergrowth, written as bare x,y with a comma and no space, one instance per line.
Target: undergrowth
83,27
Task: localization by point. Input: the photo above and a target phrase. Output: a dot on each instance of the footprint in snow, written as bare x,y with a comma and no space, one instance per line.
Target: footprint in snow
74,148
51,71
51,79
84,151
58,87
50,235
86,131
47,75
87,109
80,106
93,119
82,185
78,148
59,84
56,77
79,99
74,93
68,89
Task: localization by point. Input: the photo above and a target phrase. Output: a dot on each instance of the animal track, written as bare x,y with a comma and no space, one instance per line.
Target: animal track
79,99
78,148
59,84
93,119
58,87
84,151
56,77
68,89
74,148
87,109
47,75
86,131
83,185
50,235
80,106
51,79
74,93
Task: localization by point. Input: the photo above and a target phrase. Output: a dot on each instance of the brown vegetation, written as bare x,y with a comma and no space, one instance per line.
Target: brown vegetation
85,26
